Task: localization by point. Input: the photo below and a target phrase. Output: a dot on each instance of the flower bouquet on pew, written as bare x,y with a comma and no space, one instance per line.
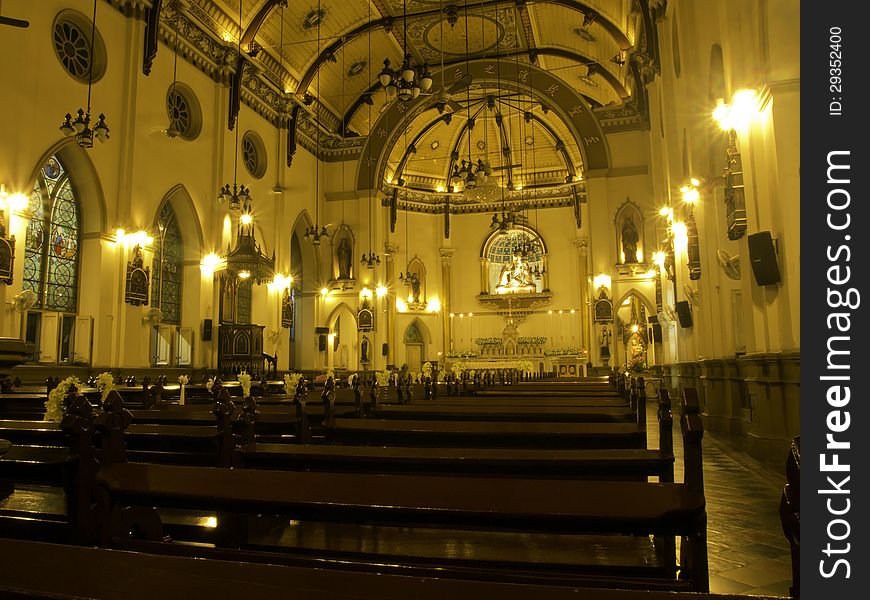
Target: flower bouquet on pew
291,380
245,381
182,382
105,383
55,406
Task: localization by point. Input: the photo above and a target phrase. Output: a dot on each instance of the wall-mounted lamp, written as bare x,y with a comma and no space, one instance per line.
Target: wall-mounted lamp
690,193
381,291
139,238
740,113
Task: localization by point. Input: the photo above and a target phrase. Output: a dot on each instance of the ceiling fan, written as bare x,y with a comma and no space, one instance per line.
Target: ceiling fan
13,22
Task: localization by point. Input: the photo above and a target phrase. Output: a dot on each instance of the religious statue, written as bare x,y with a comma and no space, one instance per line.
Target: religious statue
515,276
415,288
604,343
344,253
364,350
630,238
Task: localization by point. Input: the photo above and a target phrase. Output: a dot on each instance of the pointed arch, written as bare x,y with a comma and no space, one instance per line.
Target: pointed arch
644,299
425,335
307,272
189,222
83,175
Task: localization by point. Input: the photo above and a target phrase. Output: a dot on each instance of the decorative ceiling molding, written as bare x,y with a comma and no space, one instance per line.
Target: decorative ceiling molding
563,101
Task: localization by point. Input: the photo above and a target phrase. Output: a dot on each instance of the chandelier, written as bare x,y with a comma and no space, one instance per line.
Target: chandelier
408,81
80,127
236,196
370,260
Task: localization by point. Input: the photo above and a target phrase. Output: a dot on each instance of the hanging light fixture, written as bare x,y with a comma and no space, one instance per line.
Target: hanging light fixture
237,196
80,127
246,260
407,82
314,233
370,259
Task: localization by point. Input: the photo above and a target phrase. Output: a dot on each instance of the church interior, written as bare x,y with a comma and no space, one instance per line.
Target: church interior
524,224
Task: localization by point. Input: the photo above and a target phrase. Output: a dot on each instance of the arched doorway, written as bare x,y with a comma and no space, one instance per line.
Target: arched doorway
415,345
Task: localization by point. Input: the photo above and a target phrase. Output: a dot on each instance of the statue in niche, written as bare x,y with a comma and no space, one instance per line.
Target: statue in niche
630,238
415,288
344,254
364,350
515,276
604,343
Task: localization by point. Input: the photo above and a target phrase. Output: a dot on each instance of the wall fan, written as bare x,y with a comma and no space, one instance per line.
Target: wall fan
729,264
691,295
669,313
152,317
23,301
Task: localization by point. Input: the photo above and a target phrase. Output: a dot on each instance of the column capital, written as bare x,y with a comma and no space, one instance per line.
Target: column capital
582,244
447,255
390,249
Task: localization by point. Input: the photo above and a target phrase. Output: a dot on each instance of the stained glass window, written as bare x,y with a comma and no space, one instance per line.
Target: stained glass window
51,250
166,272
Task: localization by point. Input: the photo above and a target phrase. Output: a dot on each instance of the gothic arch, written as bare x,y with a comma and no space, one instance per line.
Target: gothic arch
86,181
188,221
310,258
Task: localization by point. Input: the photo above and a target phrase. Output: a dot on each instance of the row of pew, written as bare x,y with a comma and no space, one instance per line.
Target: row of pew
538,488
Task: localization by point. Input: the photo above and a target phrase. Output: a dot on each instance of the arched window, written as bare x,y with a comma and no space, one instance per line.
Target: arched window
51,251
167,269
501,250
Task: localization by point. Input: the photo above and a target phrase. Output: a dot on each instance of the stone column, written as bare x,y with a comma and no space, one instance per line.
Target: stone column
484,275
582,245
447,334
390,299
545,278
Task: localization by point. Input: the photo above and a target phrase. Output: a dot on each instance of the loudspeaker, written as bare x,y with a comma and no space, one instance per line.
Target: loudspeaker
206,330
762,255
322,343
385,349
657,333
321,330
684,312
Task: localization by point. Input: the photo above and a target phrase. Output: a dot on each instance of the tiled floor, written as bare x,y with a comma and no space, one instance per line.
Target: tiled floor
748,552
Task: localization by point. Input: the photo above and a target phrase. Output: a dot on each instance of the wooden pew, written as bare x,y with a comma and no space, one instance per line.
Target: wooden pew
524,413
39,570
486,434
790,512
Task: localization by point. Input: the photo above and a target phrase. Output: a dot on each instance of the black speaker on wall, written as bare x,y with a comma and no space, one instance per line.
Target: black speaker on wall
321,343
385,349
206,330
657,333
762,255
684,313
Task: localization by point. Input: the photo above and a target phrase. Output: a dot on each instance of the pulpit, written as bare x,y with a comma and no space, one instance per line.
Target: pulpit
240,348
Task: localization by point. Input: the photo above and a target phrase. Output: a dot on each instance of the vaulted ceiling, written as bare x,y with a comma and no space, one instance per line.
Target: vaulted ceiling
324,56
334,49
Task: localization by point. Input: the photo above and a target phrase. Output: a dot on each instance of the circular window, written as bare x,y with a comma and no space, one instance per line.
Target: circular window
71,38
182,108
254,154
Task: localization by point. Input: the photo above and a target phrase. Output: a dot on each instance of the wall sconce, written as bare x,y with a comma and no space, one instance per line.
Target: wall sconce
690,192
381,291
139,238
740,113
600,280
209,264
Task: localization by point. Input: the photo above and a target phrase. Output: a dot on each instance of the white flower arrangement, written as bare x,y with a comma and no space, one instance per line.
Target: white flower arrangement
330,373
427,369
54,405
105,384
562,352
209,384
471,373
291,380
245,381
532,340
383,378
182,382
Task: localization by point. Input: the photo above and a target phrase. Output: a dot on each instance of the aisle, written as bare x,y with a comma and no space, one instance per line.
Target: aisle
748,552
